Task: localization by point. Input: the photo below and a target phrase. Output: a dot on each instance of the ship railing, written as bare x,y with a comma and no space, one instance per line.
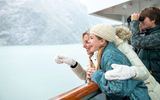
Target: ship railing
82,92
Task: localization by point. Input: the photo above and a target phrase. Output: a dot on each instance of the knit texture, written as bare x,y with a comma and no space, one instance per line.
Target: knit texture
104,31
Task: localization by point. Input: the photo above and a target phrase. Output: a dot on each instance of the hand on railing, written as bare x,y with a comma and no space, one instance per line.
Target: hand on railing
90,71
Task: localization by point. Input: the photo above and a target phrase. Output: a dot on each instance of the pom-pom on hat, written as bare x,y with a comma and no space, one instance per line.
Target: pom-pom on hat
123,32
104,31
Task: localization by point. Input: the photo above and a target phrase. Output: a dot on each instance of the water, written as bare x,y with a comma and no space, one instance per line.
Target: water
30,73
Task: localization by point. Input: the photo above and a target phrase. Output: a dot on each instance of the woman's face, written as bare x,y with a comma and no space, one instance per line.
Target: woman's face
94,42
86,44
148,23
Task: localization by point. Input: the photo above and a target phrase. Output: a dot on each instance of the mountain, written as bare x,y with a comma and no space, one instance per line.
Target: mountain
44,22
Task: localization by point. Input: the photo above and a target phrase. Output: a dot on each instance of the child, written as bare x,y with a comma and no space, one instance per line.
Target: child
138,70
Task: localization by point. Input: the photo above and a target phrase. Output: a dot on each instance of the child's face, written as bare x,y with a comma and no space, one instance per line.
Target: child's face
95,43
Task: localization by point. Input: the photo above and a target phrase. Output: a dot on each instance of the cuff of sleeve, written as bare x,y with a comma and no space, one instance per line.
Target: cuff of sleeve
73,66
133,71
141,73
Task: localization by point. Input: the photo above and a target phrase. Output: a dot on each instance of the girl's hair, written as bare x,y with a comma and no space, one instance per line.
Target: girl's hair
153,13
99,38
85,33
123,32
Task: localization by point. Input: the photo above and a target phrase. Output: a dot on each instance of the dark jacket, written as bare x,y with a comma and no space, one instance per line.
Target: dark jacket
134,89
149,45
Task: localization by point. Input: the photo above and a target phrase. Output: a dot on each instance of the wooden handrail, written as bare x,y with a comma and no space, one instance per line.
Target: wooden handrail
78,93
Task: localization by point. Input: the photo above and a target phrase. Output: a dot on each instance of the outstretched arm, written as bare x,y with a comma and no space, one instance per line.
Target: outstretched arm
75,66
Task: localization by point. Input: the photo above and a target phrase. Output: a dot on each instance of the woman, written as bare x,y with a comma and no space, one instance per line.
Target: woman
101,38
75,66
137,71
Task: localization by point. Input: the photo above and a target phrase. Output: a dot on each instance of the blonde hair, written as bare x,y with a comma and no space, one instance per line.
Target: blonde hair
123,32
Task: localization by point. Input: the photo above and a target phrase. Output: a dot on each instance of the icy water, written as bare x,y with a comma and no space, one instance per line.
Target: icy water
30,73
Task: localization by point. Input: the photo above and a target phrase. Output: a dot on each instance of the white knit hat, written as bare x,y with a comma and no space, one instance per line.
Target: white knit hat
104,31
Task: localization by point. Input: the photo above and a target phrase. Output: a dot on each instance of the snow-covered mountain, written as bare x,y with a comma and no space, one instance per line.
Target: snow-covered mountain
44,22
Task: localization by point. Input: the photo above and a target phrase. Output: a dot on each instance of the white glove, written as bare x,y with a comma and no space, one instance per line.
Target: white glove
120,72
62,59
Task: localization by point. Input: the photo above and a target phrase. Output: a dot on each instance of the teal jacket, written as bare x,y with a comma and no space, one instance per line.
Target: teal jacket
134,89
149,45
